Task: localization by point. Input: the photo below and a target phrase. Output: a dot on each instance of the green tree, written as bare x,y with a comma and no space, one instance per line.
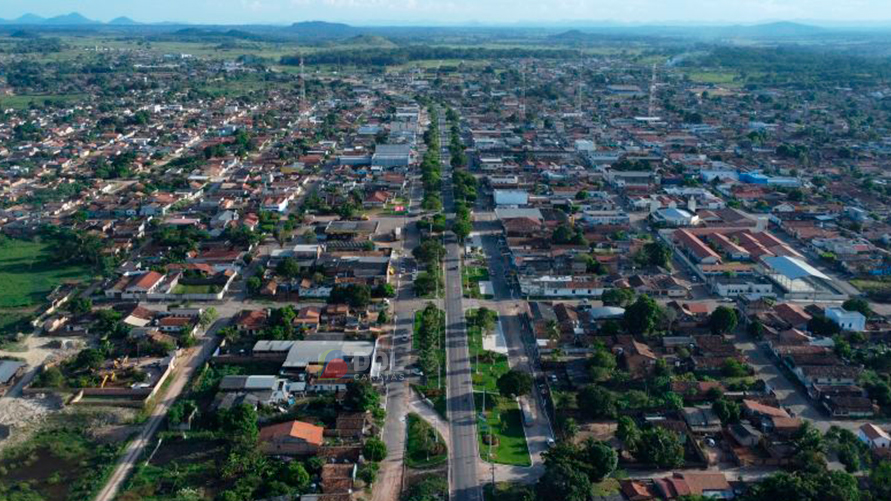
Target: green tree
254,284
880,480
563,480
727,411
628,432
362,396
601,365
661,447
657,254
617,297
806,486
642,315
597,402
858,304
374,449
722,320
240,423
514,383
384,290
601,458
356,295
288,268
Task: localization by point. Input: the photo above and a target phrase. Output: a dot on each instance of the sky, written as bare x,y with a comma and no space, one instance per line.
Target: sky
423,12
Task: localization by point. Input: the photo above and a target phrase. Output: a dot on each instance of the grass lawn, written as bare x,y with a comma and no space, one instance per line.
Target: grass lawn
504,421
487,366
29,272
12,322
425,447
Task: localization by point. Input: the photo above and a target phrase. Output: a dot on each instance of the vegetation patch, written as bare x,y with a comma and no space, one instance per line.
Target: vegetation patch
504,423
29,272
58,463
425,447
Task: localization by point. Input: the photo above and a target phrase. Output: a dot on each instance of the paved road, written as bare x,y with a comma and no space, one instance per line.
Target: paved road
195,359
389,484
464,452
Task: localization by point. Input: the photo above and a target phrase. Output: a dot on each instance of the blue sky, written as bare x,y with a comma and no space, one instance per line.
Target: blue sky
458,11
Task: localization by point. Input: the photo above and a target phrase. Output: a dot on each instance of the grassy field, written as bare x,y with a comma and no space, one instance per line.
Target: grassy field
29,272
24,101
716,77
487,366
424,447
505,422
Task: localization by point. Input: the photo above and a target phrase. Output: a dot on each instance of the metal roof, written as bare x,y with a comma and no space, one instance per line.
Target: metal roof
8,368
793,268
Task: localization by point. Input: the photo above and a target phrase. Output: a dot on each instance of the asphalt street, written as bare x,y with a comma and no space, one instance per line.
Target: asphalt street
464,451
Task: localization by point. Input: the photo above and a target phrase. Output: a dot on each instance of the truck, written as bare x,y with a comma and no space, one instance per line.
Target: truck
527,414
397,233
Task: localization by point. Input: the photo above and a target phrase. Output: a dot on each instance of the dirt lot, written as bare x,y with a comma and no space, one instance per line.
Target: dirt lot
45,349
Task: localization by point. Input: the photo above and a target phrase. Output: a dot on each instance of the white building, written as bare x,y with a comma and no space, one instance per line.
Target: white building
874,437
676,217
847,320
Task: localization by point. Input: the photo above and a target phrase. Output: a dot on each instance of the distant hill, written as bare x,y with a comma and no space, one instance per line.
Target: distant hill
123,21
30,19
73,19
370,41
571,35
769,30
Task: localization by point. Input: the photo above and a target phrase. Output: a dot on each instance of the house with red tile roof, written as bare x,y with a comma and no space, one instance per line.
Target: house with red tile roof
291,438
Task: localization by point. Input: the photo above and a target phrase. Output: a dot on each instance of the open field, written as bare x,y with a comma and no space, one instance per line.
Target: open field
28,273
716,77
24,101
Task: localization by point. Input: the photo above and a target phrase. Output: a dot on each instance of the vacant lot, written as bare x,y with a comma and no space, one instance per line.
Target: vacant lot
29,272
425,447
60,462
